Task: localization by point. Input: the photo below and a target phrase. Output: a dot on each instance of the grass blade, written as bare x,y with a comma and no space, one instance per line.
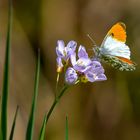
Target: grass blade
13,125
66,129
43,128
5,89
30,127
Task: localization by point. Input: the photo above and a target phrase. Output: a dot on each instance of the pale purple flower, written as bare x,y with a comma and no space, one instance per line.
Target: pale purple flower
83,63
71,76
87,69
64,52
95,73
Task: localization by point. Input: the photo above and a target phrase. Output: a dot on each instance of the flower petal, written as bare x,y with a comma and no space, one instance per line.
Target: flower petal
101,77
70,48
73,59
71,76
98,70
59,61
90,76
82,52
60,48
96,63
82,64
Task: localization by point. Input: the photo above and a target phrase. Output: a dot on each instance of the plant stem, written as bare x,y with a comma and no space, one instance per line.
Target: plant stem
56,87
56,100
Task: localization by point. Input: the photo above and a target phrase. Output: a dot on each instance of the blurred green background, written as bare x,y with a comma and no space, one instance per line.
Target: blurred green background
108,110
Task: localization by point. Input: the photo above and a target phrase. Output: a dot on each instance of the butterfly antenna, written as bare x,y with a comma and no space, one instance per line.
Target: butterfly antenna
94,43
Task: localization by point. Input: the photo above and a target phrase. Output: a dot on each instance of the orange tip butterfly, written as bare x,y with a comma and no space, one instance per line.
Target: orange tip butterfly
113,49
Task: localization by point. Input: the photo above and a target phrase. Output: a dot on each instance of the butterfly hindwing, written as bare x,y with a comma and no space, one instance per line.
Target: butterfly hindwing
117,63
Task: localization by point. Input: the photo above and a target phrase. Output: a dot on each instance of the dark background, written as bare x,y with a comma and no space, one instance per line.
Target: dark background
108,110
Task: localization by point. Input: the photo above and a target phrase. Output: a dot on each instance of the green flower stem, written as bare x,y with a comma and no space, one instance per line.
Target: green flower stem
56,100
57,81
46,118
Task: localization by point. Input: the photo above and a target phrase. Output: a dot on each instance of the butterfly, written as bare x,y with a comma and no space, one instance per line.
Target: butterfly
113,49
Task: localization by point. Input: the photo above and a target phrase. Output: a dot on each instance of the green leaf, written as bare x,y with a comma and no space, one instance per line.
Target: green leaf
5,89
30,127
66,129
13,125
43,128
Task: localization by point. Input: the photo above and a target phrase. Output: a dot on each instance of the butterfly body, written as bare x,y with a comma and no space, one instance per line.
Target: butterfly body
113,49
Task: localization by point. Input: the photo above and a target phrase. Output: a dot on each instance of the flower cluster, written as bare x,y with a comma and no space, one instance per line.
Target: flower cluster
82,69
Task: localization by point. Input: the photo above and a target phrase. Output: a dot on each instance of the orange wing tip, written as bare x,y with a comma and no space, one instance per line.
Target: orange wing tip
118,31
126,60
